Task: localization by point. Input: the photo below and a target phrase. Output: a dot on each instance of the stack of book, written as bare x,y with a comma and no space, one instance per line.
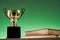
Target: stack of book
42,34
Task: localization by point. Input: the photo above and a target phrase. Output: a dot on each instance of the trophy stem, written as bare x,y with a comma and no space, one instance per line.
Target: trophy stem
13,22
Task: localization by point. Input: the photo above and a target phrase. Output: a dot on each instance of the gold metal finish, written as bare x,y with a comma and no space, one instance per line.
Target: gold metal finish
14,15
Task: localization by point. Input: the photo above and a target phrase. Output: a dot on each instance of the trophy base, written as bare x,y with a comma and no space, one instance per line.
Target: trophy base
13,32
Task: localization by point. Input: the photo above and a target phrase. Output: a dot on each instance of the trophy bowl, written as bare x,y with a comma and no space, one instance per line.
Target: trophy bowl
14,15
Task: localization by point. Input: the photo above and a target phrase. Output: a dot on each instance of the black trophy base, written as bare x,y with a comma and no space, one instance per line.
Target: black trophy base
13,32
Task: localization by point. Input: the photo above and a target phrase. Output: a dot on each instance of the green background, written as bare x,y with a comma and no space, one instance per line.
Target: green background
39,14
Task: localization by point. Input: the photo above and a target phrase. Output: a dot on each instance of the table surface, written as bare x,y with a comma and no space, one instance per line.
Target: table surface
38,39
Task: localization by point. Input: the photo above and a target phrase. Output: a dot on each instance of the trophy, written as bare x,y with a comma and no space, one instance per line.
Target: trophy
13,31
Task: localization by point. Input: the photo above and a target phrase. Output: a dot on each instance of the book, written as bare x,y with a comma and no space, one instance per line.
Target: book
42,32
51,37
48,36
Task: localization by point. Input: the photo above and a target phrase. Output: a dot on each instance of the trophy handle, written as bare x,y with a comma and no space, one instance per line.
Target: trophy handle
5,11
22,12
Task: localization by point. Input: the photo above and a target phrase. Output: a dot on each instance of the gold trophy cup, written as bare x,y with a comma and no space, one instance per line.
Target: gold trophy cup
14,15
13,31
